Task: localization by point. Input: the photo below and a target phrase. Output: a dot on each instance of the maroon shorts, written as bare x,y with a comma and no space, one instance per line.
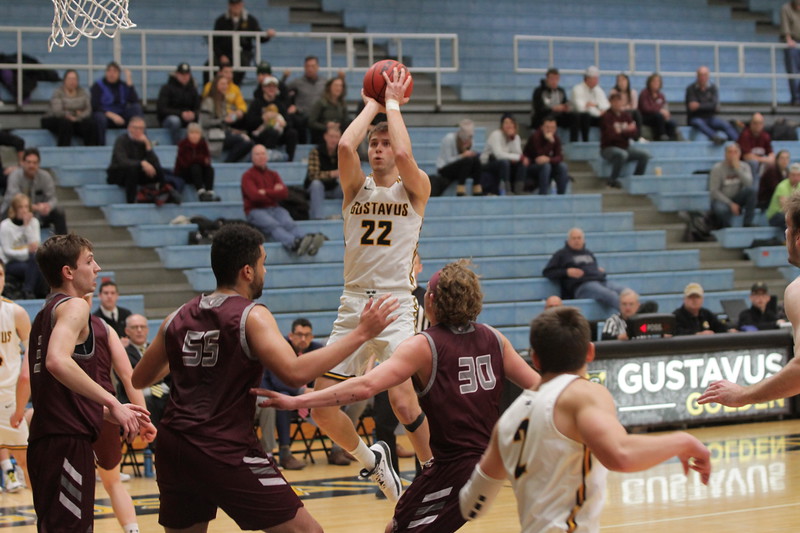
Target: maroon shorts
193,485
108,446
430,504
62,480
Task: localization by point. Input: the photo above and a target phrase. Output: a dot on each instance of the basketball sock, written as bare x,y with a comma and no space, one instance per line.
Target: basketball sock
6,465
364,455
131,528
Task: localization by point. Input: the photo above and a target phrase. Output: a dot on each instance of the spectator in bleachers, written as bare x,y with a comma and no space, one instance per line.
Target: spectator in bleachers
112,314
762,313
655,112
457,160
133,162
576,269
617,129
616,326
630,100
772,176
193,163
322,177
730,186
178,102
19,239
790,33
233,94
70,112
702,104
301,339
217,117
330,108
268,120
780,198
40,187
501,158
692,318
114,102
756,145
156,396
550,99
237,18
544,161
18,144
304,91
589,101
262,190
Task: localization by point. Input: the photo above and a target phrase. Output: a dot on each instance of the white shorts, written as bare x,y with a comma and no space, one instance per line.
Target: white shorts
381,347
12,438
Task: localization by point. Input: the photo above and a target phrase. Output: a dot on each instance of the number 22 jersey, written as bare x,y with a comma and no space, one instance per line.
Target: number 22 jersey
381,231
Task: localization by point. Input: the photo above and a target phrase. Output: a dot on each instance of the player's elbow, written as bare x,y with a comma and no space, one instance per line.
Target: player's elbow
402,155
346,146
619,461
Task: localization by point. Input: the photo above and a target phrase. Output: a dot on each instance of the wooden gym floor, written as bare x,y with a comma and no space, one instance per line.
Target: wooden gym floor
755,488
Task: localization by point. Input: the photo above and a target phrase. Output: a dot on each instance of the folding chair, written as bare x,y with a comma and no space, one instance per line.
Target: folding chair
303,426
130,457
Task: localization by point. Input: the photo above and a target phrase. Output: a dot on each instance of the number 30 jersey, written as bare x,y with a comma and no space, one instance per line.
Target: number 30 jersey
462,396
212,372
381,231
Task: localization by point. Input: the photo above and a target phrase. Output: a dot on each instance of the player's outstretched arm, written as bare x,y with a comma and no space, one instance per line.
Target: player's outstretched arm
268,345
351,177
517,369
415,181
477,496
588,413
410,356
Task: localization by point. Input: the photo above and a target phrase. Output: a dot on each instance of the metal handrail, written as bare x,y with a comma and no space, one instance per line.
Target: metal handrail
634,45
331,39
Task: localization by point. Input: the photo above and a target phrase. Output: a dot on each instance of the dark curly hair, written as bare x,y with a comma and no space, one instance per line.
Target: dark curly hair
560,338
233,247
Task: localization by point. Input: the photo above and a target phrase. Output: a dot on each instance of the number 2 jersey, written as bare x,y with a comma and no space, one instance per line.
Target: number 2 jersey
462,396
559,485
381,231
212,372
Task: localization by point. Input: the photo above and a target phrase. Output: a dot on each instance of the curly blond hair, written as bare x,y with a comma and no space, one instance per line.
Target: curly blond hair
457,297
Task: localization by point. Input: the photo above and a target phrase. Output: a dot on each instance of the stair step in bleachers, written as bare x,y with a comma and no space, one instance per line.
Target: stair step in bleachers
504,267
768,256
502,290
185,257
652,184
668,166
671,202
743,237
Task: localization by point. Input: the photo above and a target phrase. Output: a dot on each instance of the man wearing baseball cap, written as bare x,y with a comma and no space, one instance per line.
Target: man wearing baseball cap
761,314
178,102
692,318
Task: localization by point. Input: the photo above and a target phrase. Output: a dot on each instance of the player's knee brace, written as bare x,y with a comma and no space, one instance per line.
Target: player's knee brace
413,426
478,494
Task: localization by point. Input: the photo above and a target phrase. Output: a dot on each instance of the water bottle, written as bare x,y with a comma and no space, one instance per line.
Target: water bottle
148,463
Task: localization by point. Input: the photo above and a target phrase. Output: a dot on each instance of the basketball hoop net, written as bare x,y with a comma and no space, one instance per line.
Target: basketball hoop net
89,18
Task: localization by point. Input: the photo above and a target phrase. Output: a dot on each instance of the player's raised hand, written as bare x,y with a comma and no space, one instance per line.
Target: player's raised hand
375,316
129,417
725,393
397,84
274,399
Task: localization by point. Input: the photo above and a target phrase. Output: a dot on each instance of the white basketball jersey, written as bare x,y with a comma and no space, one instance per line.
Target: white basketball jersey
559,484
381,231
10,351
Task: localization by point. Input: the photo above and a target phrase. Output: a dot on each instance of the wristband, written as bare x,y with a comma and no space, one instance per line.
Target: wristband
392,105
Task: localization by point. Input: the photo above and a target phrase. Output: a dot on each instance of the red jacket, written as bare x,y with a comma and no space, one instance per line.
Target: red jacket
190,154
761,145
258,189
539,145
609,136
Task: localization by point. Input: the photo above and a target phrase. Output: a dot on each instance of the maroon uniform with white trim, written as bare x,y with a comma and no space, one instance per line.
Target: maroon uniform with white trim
64,425
208,454
107,449
462,403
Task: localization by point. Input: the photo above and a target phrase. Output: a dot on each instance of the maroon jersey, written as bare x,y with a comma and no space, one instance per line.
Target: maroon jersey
212,372
462,397
103,362
57,409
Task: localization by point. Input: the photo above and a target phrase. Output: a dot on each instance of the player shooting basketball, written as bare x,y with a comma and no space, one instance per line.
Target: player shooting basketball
382,219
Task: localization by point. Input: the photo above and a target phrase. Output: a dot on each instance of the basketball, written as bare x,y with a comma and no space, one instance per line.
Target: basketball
375,85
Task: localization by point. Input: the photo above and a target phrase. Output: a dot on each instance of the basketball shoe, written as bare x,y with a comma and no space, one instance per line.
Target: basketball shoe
12,484
382,473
